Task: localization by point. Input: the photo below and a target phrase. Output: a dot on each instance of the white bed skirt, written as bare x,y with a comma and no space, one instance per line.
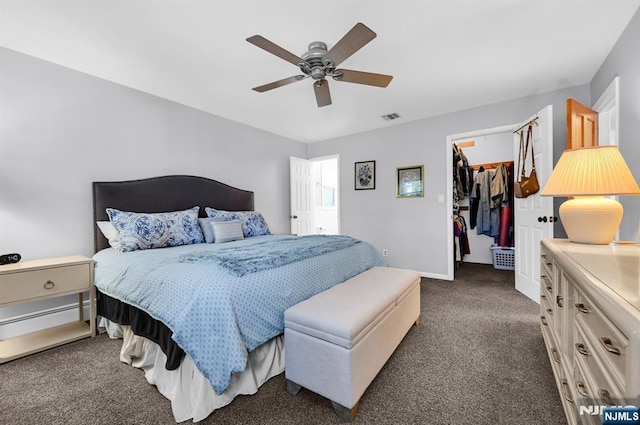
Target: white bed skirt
190,393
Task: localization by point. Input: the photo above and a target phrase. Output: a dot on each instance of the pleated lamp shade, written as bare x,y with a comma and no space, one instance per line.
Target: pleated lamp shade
589,174
593,171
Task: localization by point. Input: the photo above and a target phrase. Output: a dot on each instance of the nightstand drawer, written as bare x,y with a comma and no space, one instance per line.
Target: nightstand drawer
30,284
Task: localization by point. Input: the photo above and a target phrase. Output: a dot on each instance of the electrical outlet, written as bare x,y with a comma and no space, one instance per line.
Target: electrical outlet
385,253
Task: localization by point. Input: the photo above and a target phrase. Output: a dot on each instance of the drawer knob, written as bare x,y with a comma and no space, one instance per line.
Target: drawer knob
582,349
565,391
49,284
559,301
605,397
581,308
550,312
582,390
608,345
543,320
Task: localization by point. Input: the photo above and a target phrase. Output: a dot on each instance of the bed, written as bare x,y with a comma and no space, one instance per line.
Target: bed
205,320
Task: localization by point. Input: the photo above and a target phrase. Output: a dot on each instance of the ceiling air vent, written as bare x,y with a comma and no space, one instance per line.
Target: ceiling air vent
391,117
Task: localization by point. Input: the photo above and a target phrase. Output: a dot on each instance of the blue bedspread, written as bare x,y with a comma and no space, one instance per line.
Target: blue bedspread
269,254
215,316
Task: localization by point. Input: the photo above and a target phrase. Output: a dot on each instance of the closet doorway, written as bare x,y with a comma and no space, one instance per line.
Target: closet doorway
533,216
483,154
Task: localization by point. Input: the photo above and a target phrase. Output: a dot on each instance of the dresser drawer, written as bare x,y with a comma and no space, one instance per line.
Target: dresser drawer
587,400
547,309
43,282
547,266
608,343
595,372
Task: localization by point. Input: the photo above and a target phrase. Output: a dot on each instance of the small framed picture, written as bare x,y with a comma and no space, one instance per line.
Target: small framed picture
410,181
365,175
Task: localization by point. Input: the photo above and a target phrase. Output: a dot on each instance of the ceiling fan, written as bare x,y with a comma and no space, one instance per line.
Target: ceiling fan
319,63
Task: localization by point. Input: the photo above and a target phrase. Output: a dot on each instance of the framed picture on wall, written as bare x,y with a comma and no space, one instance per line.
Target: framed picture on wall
365,175
410,181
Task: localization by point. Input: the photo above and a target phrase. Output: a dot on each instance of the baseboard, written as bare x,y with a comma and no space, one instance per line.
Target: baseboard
434,276
38,320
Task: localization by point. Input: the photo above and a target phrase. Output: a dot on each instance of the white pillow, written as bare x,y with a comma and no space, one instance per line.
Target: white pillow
207,229
227,231
109,232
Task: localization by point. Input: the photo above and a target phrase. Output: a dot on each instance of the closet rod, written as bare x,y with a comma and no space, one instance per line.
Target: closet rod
490,165
533,121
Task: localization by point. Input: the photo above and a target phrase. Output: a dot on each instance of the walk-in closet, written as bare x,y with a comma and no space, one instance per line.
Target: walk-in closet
483,213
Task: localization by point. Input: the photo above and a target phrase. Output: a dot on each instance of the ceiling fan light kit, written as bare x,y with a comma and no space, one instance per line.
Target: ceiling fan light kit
319,62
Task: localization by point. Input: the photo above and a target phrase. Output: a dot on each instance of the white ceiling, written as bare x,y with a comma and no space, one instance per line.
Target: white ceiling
445,55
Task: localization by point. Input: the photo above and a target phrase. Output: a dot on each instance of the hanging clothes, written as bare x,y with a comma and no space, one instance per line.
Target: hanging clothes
499,185
461,239
488,215
460,174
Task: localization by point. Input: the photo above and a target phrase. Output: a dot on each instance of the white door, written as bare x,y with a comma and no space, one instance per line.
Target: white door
301,175
534,214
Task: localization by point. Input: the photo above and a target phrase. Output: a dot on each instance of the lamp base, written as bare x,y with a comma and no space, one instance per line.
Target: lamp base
591,219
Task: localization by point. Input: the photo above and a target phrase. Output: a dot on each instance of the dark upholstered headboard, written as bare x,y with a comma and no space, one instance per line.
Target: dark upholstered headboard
164,194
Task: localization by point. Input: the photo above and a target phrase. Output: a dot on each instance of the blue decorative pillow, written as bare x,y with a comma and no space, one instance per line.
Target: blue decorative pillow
253,223
159,230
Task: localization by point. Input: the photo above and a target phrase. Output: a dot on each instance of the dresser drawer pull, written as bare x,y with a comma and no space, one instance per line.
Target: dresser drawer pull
582,349
582,309
543,320
581,389
550,264
565,391
606,343
543,296
559,301
49,284
605,397
550,312
556,356
549,288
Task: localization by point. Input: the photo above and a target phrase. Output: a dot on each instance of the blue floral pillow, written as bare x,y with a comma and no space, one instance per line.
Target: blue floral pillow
159,230
253,223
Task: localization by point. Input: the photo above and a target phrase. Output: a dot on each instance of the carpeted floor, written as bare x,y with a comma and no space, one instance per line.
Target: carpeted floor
477,358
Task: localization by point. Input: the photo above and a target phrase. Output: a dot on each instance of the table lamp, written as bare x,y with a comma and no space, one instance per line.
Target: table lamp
588,175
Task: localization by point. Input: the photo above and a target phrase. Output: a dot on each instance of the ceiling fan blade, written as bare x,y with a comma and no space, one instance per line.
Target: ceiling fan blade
323,97
274,49
352,41
279,83
359,77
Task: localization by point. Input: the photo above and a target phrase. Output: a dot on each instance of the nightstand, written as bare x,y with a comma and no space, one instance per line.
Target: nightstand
34,280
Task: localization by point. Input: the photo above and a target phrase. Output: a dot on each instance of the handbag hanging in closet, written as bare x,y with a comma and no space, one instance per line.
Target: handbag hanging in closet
526,186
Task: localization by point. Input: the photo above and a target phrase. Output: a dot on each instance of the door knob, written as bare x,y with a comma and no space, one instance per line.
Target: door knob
542,219
294,217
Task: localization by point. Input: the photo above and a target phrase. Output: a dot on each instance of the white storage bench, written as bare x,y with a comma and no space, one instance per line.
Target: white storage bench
337,341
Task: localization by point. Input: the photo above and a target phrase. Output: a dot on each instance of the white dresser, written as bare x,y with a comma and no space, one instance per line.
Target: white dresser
590,320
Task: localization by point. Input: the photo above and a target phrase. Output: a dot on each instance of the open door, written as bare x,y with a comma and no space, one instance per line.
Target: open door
582,125
301,175
534,214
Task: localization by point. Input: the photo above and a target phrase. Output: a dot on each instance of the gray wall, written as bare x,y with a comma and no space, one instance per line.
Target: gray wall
624,61
414,230
60,130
